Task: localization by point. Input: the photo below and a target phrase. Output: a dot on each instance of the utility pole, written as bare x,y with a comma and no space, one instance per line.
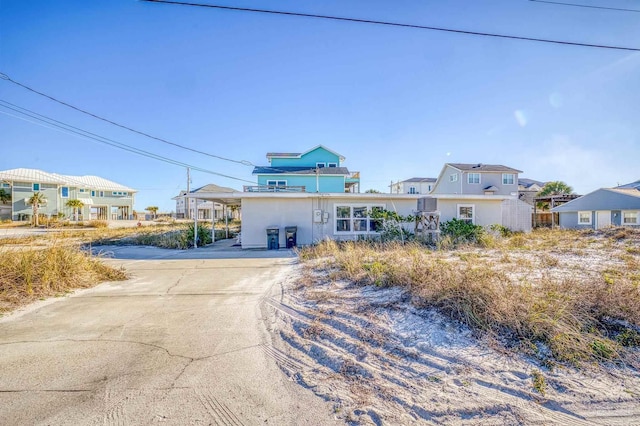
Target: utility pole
187,213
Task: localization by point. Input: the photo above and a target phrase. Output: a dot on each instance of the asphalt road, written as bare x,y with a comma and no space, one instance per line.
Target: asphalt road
184,341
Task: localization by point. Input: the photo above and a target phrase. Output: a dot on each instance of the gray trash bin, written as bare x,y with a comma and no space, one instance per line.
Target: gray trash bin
273,238
291,236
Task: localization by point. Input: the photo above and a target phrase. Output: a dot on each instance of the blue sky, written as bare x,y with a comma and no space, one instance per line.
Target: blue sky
397,103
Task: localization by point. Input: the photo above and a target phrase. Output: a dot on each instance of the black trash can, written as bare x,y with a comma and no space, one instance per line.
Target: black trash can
291,235
273,238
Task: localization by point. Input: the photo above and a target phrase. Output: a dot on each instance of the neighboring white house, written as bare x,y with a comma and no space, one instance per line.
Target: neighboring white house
186,207
416,185
103,199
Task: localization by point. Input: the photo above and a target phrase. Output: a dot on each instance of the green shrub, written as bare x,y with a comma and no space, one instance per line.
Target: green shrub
462,231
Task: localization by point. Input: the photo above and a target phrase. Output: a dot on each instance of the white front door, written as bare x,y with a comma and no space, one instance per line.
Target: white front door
603,219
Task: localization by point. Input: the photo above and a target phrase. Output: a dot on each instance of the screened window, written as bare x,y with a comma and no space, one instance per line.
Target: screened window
357,219
629,218
64,192
584,218
508,179
473,178
466,212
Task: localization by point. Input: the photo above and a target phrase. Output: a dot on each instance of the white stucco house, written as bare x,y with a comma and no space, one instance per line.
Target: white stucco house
271,211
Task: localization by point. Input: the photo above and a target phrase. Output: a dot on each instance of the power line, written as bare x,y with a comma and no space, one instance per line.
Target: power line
586,6
392,24
67,128
7,78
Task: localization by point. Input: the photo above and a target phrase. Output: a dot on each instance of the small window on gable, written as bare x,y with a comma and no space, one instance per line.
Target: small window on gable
508,179
473,178
453,177
64,192
320,165
332,164
36,187
584,218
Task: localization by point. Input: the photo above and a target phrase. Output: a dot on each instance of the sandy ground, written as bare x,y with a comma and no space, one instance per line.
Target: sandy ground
380,360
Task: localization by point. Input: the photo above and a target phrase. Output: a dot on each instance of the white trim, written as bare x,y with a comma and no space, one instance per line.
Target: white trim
469,174
590,213
453,177
637,214
332,164
352,219
513,175
68,190
276,182
473,212
321,165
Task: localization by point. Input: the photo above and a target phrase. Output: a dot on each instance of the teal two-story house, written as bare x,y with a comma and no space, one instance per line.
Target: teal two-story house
316,170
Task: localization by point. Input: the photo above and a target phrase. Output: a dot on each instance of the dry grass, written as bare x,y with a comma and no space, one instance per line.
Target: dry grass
532,292
30,274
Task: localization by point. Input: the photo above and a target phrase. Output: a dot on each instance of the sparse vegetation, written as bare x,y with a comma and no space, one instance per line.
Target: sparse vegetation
32,273
537,293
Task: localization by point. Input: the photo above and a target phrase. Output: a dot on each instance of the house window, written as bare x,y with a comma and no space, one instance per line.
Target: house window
332,164
82,190
356,219
466,212
93,193
64,192
320,165
453,177
429,188
473,178
630,218
36,187
508,179
276,183
101,193
584,218
412,190
6,185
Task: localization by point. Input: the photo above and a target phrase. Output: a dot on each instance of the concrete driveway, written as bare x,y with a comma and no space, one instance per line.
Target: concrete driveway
185,341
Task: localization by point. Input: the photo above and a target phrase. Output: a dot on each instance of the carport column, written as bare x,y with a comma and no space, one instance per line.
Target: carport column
213,222
226,220
195,226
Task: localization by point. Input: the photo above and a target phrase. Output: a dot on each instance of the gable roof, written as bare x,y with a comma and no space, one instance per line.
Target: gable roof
419,180
260,170
271,155
479,167
39,176
527,183
603,199
632,185
213,188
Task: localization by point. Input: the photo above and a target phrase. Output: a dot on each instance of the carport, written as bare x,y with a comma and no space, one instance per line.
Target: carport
227,199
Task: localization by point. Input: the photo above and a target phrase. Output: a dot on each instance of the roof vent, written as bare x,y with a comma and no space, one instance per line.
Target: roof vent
477,166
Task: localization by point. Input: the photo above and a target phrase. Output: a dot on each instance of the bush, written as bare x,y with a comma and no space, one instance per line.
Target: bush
462,231
98,224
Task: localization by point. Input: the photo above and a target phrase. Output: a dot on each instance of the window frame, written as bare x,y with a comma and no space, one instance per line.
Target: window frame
62,191
469,175
276,182
473,212
513,178
589,215
332,164
453,177
35,187
634,212
412,190
321,165
93,193
352,219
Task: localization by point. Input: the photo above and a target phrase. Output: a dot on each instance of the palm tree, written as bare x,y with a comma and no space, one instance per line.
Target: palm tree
553,188
153,210
76,205
35,201
5,196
